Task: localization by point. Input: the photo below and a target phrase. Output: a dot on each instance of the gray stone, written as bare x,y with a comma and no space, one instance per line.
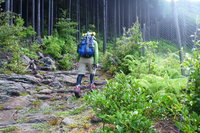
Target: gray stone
56,84
48,64
100,82
19,78
47,81
67,79
7,117
68,121
26,59
22,101
4,98
45,91
43,97
44,106
41,55
38,118
10,85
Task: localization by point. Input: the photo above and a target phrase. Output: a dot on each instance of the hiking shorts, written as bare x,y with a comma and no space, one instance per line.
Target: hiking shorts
86,64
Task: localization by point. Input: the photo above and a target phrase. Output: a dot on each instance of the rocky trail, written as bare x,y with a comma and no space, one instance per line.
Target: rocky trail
45,102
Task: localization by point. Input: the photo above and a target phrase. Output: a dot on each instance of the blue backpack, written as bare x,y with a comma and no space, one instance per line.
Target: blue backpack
86,46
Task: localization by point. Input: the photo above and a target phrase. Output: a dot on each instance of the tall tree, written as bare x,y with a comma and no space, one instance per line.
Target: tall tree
20,7
119,18
52,15
105,25
7,5
42,17
115,18
70,5
11,9
39,19
78,18
98,19
129,13
27,15
86,16
49,18
33,14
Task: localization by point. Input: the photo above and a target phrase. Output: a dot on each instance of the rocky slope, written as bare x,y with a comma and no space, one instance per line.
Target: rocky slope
45,102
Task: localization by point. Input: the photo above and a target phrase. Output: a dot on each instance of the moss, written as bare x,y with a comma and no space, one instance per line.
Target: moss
38,89
42,73
18,108
24,94
36,103
8,129
2,108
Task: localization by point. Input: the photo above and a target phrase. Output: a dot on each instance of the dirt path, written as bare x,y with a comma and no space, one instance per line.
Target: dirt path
47,106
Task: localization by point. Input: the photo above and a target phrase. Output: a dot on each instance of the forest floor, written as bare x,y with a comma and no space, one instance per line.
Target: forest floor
50,106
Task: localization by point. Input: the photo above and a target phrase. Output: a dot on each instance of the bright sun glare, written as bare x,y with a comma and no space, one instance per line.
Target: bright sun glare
187,0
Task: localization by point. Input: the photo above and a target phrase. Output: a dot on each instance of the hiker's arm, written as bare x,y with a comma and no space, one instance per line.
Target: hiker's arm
96,55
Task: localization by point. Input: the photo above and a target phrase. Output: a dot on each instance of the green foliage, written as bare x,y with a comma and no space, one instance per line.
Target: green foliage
62,45
128,44
193,65
53,46
190,123
12,43
122,103
65,62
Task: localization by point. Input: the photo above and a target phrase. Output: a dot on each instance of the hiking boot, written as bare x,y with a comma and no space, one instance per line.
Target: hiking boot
92,87
77,91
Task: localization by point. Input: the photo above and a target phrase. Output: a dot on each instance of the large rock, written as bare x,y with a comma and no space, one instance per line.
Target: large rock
7,117
38,118
19,78
48,64
12,103
56,84
7,86
14,88
70,80
26,59
68,121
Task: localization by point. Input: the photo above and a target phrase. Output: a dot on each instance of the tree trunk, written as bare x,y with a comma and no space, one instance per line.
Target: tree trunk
49,18
119,22
122,14
42,18
33,14
39,19
78,19
105,27
20,8
129,13
7,5
11,9
70,5
52,15
27,15
86,16
115,18
93,12
98,16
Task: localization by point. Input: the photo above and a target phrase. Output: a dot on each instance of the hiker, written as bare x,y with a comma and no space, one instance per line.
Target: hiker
88,55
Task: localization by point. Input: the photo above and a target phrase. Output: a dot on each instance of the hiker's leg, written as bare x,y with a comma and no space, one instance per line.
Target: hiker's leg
92,78
79,79
81,73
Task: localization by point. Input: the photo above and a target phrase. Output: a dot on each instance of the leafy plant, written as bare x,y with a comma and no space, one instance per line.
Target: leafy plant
11,37
62,45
